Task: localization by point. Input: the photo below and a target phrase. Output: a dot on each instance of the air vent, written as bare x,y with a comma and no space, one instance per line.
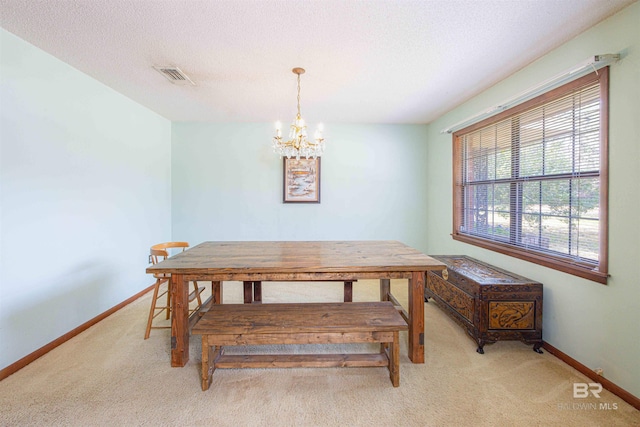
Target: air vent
175,75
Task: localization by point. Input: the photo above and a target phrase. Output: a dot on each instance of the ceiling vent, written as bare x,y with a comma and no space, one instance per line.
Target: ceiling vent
175,75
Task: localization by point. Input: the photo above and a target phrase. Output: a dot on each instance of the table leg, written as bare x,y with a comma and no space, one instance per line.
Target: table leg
257,291
416,317
348,291
216,292
385,288
179,320
248,292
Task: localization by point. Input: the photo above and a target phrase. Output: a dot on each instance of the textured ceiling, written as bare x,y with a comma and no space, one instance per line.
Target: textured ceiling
376,61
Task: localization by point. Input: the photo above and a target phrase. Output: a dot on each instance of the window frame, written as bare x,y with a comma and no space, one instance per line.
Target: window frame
600,272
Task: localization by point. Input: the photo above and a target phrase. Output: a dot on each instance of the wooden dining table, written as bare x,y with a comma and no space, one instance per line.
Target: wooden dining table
243,261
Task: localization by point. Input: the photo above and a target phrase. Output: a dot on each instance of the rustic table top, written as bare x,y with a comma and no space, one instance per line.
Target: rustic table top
296,257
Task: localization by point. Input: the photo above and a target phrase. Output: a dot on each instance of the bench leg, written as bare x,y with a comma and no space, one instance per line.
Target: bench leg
210,353
394,360
207,370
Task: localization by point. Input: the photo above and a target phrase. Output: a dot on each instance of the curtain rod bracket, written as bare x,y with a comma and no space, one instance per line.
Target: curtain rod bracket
594,62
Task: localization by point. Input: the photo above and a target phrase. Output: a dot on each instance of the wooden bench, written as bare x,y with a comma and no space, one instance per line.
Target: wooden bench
300,323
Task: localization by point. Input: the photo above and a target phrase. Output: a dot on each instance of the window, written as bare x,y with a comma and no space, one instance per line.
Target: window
531,182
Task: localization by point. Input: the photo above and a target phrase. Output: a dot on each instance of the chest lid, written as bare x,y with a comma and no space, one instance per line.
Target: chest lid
480,272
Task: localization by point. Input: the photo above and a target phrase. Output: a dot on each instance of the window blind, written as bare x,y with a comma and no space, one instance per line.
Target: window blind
532,179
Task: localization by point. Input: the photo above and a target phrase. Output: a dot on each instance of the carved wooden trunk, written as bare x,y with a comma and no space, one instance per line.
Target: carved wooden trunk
491,303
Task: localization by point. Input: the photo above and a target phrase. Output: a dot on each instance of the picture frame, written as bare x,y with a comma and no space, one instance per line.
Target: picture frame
301,180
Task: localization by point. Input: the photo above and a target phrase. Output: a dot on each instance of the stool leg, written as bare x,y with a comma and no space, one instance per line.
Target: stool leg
153,308
168,298
195,288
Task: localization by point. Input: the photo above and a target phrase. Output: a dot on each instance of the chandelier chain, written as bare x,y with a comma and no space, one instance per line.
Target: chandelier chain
299,95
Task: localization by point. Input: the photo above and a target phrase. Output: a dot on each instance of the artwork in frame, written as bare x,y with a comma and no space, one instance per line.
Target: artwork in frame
301,180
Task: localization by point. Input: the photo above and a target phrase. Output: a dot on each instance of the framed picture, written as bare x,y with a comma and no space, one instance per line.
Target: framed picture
301,180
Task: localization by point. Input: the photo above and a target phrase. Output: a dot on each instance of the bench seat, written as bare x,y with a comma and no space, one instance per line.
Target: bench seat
300,323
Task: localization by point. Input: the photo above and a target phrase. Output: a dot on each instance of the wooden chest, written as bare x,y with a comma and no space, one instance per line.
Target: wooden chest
491,303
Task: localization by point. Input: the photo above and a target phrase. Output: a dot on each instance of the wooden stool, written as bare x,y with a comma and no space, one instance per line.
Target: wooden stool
159,253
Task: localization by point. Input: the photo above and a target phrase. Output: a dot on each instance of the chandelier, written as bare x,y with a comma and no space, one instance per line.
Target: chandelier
298,144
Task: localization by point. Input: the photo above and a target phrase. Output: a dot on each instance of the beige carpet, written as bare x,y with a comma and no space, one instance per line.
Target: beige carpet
109,375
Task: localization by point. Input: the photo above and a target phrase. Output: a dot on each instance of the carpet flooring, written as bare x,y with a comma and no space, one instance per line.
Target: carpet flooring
108,375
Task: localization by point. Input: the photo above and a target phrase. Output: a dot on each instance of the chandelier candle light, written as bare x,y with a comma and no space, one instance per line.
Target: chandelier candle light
298,145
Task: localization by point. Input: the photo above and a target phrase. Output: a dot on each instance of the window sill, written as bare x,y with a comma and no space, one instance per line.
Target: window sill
536,258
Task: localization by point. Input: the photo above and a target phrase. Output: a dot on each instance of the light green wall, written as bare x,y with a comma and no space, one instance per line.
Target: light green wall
84,191
85,188
227,185
595,324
